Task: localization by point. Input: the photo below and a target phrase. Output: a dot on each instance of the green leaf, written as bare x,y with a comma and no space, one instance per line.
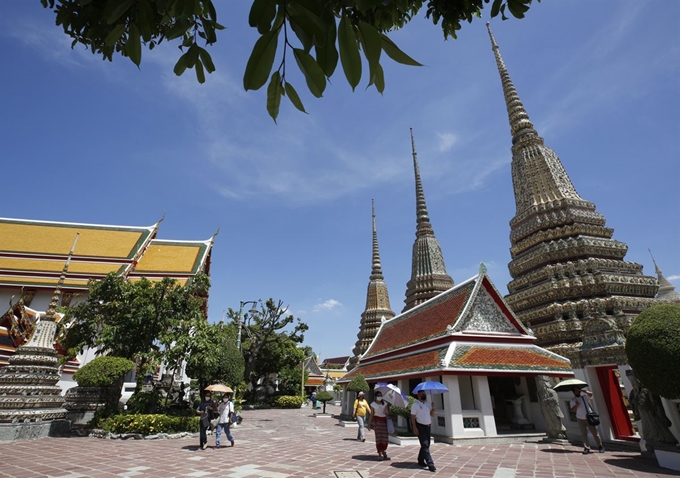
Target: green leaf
115,8
517,8
181,65
261,61
206,59
370,39
177,30
316,80
378,79
312,25
262,12
395,53
192,55
496,7
294,98
349,52
113,37
133,48
200,74
274,92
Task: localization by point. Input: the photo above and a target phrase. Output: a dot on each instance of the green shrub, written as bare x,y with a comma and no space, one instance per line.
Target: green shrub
402,412
149,424
145,402
288,401
103,371
324,396
358,384
653,349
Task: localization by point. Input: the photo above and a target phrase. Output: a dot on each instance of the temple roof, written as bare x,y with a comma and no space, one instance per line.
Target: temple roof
32,253
468,329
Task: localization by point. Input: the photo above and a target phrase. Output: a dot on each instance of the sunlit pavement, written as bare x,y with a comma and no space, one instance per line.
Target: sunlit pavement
294,443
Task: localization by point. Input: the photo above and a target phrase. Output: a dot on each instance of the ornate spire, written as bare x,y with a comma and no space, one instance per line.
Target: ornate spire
376,271
667,292
54,303
570,281
428,271
537,173
377,303
423,226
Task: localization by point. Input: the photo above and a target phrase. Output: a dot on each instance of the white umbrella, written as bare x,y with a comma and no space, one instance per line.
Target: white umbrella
569,384
392,394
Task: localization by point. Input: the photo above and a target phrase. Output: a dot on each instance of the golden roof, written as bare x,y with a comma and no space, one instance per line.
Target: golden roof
172,257
50,238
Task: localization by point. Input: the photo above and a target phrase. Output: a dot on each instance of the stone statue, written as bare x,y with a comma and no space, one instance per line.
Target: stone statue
648,409
550,408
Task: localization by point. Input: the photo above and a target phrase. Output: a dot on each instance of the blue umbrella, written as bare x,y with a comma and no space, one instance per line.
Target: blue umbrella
430,387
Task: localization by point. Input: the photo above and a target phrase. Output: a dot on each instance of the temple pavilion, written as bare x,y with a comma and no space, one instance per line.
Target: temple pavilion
33,253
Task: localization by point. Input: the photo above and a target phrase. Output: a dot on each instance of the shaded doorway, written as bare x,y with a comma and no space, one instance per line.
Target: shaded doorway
502,389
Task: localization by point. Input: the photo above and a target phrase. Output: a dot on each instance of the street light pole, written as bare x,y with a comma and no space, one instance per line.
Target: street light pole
240,319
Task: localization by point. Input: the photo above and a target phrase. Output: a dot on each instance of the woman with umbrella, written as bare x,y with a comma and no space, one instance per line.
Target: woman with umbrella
205,410
380,410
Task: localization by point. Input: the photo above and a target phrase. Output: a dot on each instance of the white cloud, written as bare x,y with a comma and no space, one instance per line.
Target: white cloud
327,305
446,141
673,277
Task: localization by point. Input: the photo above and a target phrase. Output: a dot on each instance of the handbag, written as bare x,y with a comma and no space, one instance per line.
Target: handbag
592,417
390,425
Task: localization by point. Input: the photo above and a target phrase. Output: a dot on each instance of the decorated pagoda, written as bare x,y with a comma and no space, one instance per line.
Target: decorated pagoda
570,282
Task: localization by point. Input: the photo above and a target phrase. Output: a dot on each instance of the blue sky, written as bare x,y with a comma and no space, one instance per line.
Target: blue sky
83,140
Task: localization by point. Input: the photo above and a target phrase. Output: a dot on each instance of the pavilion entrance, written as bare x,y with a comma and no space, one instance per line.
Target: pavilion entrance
609,380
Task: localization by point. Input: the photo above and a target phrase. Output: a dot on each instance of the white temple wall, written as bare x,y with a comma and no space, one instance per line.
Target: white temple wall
481,388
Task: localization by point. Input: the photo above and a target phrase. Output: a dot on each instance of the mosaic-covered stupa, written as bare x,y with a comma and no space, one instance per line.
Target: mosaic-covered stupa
28,385
570,283
377,303
428,271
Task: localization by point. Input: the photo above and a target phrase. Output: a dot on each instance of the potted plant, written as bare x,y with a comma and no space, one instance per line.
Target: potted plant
653,350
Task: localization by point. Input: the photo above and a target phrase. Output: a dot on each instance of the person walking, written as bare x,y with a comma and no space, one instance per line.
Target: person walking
581,405
227,416
421,419
312,398
380,410
205,410
361,409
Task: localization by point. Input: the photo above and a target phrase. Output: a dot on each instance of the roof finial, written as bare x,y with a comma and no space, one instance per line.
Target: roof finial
376,272
422,217
52,308
520,125
656,268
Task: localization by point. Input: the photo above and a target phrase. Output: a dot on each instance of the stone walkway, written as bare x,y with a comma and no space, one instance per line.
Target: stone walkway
293,443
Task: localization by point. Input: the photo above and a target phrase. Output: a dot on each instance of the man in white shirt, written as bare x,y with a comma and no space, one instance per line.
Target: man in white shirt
421,419
581,406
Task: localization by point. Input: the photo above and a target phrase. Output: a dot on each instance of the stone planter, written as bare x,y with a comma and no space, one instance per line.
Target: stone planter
401,440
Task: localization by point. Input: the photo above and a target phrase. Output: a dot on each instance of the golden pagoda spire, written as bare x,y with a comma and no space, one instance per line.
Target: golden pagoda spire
54,303
537,173
428,271
377,302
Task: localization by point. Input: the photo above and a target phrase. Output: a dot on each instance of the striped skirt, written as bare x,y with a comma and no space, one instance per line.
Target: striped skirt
381,435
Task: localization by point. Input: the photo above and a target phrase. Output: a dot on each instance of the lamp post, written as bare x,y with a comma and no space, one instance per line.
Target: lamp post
240,319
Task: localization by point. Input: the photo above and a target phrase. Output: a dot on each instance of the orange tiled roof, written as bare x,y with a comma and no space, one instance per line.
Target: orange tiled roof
399,366
426,321
515,358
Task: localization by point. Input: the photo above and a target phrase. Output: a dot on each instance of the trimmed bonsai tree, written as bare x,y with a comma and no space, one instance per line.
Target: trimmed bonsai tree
653,349
324,396
106,373
358,384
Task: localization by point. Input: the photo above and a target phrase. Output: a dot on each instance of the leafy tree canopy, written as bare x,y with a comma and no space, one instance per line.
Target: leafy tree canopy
653,349
267,346
213,356
315,33
138,321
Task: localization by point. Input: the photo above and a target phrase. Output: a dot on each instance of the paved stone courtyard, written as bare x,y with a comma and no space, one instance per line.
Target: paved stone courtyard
293,443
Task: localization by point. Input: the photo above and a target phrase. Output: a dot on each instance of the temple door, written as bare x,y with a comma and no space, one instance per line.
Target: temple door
616,408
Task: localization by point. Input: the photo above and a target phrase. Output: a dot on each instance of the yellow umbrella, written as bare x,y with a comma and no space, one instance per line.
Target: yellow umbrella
219,388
